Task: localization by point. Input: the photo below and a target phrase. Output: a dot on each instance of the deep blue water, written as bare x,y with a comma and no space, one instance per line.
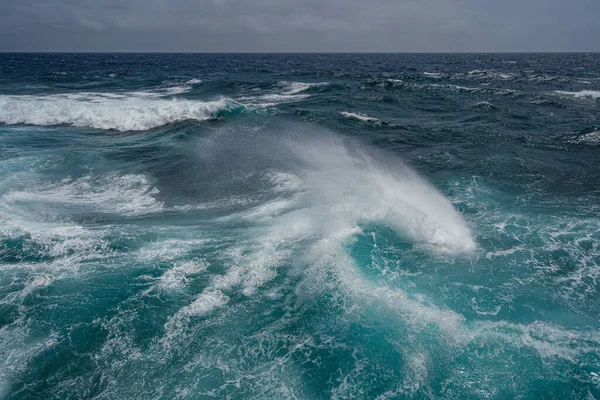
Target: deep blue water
300,226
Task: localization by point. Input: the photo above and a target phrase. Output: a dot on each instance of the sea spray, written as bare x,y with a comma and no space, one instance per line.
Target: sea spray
283,226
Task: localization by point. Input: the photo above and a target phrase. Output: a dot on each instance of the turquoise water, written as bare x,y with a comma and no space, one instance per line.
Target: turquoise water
299,226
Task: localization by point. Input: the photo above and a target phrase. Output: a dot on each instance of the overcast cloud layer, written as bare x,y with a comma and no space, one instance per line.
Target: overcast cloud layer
299,25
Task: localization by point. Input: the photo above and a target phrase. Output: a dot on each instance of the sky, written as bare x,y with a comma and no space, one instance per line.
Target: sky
300,25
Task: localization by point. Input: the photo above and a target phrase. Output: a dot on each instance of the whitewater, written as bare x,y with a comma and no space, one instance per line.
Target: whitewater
299,226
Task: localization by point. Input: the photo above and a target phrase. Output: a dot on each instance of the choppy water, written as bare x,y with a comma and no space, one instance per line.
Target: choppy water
299,226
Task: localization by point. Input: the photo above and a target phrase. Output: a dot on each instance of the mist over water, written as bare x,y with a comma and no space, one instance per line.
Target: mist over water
299,226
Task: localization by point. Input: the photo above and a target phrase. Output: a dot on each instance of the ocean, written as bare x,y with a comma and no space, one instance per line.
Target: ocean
300,226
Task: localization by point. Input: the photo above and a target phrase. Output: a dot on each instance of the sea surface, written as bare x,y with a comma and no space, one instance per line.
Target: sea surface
310,226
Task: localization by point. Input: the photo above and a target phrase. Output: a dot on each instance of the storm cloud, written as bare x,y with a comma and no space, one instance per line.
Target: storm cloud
299,26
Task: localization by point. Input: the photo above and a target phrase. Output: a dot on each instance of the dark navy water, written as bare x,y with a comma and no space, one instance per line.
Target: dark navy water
302,226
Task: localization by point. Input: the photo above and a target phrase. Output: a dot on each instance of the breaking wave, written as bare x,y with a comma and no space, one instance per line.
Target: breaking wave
289,252
361,117
136,111
434,75
325,190
297,87
594,94
592,138
286,92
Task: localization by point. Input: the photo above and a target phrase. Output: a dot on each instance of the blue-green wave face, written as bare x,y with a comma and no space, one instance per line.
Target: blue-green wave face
299,226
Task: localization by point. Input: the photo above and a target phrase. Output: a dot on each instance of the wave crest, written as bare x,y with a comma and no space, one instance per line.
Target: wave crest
361,117
108,111
594,94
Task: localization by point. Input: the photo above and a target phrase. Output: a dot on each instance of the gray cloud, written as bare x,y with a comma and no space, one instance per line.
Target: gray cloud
300,25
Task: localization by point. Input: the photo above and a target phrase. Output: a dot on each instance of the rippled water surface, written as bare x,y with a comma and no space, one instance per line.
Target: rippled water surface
299,226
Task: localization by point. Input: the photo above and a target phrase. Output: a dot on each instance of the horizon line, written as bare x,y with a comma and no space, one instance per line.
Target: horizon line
298,52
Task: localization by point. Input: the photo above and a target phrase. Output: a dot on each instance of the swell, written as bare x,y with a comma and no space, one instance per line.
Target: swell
318,191
109,111
139,110
250,258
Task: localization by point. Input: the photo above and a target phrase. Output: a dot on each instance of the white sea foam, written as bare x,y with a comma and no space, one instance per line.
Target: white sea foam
269,210
272,99
292,91
455,87
17,348
548,340
52,252
435,75
360,117
343,187
206,302
397,82
297,87
485,105
594,94
175,90
592,138
489,74
338,188
165,91
62,245
283,181
276,98
123,112
546,78
416,372
128,194
252,265
181,273
468,89
168,250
